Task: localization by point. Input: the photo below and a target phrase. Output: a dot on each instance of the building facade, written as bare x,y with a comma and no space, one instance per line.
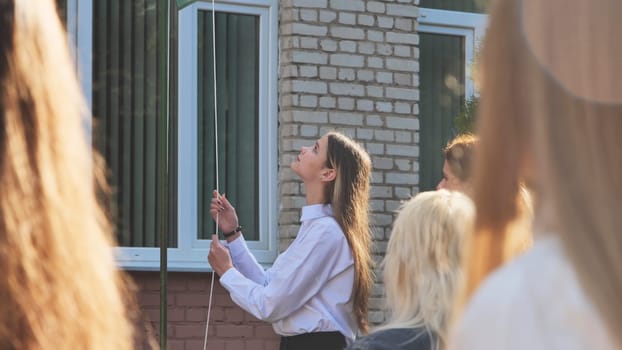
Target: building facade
391,74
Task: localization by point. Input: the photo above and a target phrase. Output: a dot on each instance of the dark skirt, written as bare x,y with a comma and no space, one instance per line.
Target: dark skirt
314,341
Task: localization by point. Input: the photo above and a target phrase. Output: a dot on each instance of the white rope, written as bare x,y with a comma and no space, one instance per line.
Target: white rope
211,288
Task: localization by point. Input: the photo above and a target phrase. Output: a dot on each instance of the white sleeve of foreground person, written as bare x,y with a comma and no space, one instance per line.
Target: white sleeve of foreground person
534,302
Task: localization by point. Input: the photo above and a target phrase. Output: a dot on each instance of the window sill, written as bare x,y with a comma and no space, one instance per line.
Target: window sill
179,260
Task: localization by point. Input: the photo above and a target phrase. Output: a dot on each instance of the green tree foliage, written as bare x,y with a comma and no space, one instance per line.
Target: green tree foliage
465,121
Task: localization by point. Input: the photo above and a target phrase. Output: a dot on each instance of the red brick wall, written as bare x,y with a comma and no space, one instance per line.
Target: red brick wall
230,327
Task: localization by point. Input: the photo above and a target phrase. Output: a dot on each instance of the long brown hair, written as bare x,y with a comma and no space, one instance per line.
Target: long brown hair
60,287
497,164
518,236
349,197
531,122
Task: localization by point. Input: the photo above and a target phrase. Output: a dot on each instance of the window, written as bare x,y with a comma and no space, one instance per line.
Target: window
127,126
248,173
475,6
448,41
167,165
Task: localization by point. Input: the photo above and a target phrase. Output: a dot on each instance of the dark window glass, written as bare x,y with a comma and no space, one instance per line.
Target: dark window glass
442,78
476,6
237,74
127,126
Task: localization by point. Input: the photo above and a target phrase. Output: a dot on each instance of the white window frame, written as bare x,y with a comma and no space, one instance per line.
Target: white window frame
470,26
191,252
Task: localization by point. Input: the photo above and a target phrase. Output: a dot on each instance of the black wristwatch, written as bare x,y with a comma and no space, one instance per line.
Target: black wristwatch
229,234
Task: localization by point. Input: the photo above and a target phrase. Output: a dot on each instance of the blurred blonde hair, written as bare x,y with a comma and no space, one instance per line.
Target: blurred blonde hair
569,146
422,263
61,288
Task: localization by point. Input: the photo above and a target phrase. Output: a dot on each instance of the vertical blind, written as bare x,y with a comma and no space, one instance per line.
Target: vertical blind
126,123
237,64
442,73
125,109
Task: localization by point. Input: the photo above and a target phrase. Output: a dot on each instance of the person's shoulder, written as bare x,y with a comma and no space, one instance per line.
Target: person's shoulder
538,294
395,339
328,228
507,298
506,284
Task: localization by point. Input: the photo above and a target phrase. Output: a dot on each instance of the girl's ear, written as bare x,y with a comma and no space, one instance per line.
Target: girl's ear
328,175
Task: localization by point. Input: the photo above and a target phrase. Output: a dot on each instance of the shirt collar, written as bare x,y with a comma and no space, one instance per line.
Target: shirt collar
314,211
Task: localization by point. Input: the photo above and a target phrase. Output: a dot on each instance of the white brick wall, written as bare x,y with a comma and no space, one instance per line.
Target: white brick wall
352,66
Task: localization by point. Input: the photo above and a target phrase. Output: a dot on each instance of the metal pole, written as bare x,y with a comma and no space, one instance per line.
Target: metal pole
163,15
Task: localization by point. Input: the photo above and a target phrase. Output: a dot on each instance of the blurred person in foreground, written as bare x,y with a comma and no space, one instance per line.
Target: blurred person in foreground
551,113
60,288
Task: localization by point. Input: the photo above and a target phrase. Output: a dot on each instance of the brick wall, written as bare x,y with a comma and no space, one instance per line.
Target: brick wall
230,328
351,65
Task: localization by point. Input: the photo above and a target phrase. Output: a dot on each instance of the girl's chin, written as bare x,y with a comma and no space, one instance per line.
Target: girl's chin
294,166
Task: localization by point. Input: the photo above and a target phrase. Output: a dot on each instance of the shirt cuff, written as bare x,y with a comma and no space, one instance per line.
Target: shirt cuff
237,247
229,277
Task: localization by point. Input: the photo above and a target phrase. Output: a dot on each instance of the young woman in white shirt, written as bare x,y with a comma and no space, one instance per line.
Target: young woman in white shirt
551,114
316,292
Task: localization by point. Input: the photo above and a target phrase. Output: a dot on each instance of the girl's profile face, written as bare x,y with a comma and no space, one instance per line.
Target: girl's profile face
450,181
311,161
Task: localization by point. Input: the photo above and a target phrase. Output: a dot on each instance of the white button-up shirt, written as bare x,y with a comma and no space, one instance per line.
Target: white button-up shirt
309,286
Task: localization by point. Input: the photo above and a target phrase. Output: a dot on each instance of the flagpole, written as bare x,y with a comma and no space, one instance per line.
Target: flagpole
163,16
